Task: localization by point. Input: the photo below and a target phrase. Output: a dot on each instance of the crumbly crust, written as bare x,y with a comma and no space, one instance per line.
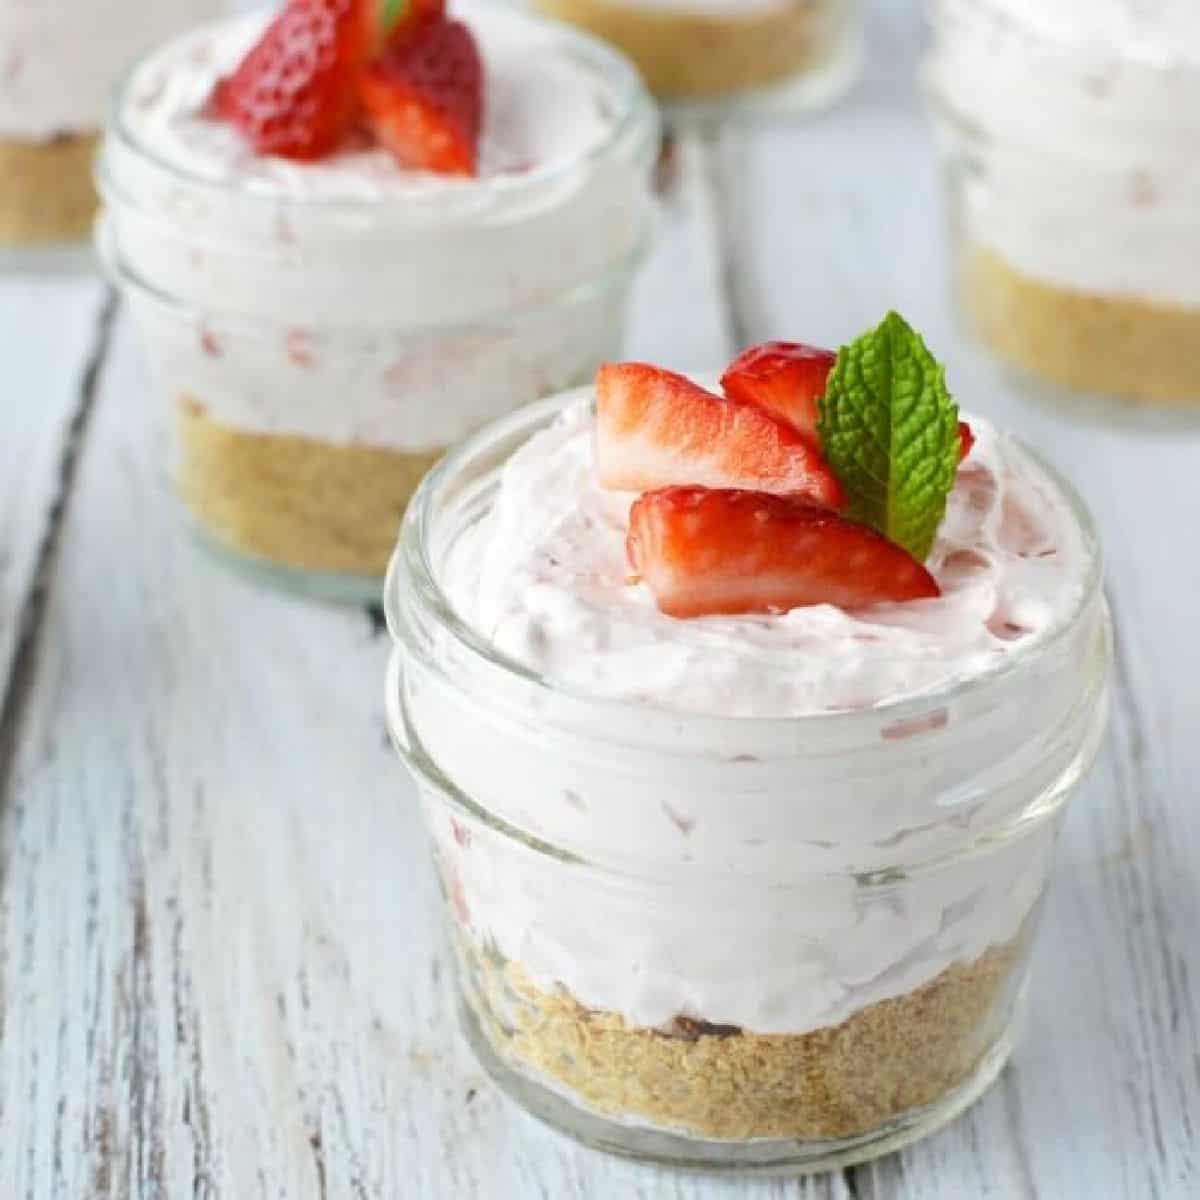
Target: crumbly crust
689,54
722,1082
47,195
1141,351
296,501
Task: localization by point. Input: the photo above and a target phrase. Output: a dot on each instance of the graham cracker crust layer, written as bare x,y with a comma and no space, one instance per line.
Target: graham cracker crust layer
1141,351
684,54
46,192
723,1082
296,501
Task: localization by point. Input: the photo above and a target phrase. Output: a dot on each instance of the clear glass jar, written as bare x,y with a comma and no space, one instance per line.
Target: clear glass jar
734,943
1071,163
707,58
59,64
318,353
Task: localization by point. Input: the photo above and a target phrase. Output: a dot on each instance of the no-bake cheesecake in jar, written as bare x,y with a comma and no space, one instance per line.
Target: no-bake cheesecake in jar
744,716
1070,135
344,263
58,63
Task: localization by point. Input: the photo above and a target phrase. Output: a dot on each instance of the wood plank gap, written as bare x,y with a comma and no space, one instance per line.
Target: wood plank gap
31,613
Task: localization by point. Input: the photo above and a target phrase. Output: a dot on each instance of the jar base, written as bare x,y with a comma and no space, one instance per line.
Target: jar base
48,258
783,59
1086,408
49,200
329,587
762,1156
1059,346
810,91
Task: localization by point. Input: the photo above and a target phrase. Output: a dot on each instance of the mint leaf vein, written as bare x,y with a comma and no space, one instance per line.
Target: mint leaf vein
889,430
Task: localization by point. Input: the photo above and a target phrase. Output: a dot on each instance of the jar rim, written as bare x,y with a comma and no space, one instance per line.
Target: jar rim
634,110
411,572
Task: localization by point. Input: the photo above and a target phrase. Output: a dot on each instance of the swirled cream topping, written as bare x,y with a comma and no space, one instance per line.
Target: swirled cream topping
542,108
544,576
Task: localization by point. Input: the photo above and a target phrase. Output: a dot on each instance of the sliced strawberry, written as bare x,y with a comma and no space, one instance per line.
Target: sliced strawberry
296,93
966,439
704,552
424,98
403,16
785,378
655,428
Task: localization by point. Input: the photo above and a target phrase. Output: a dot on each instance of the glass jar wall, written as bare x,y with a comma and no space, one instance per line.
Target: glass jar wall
60,64
732,941
1068,140
321,332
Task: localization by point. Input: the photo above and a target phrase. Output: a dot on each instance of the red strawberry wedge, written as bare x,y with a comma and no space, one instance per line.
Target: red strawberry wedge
705,552
785,378
655,428
424,98
295,93
966,439
410,15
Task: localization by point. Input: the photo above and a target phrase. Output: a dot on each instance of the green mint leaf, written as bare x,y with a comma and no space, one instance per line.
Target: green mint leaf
889,430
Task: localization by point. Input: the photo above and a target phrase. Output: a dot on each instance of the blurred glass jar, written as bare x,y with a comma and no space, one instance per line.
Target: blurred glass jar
58,64
1070,142
712,57
734,942
318,352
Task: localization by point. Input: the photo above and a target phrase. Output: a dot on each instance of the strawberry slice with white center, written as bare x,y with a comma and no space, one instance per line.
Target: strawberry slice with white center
705,552
655,428
785,378
424,97
295,94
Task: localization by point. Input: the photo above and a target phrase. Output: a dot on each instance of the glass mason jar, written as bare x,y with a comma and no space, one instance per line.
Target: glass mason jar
732,942
1073,181
60,63
708,58
317,353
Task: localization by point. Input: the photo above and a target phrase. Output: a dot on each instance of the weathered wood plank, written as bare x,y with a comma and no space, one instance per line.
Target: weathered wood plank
49,330
680,313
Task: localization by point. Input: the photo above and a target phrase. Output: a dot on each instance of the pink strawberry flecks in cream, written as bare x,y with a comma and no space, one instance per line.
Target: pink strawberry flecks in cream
548,584
668,770
368,291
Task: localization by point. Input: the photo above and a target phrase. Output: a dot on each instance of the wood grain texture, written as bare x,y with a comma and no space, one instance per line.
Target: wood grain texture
51,331
221,971
680,311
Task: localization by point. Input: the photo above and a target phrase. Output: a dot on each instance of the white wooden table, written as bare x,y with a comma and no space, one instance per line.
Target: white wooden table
221,970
